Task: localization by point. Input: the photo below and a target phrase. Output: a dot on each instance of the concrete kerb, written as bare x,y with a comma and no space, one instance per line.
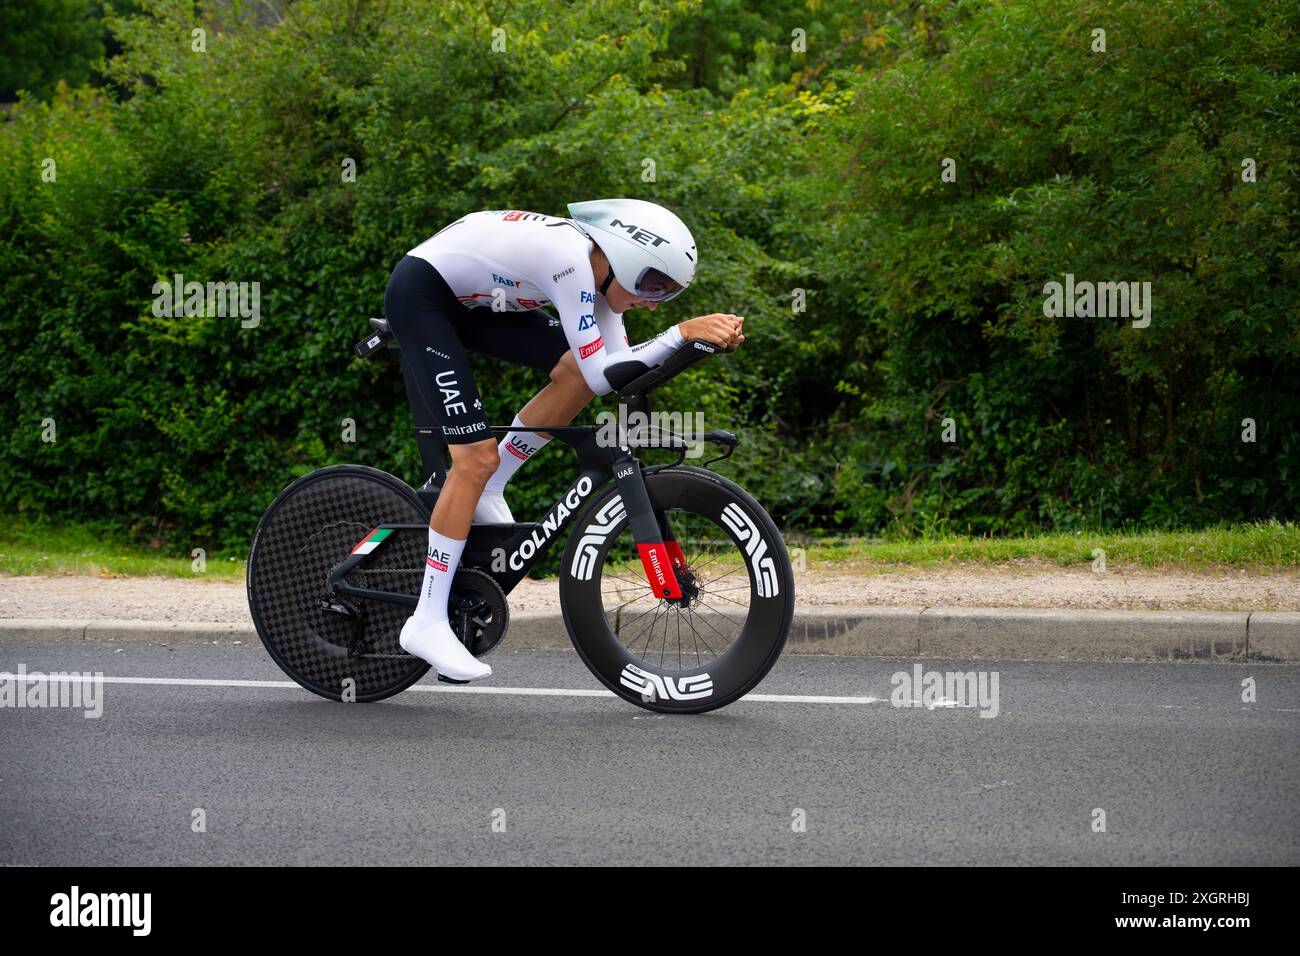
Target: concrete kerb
957,633
1274,636
1084,635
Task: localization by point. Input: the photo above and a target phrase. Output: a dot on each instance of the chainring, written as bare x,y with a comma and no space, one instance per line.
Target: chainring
477,610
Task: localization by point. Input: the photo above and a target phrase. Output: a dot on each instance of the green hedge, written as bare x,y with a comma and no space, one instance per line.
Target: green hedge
814,171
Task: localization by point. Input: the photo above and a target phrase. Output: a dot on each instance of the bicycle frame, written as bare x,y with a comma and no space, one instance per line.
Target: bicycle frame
331,623
508,552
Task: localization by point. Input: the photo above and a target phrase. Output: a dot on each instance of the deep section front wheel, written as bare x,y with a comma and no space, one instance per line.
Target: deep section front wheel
311,528
706,649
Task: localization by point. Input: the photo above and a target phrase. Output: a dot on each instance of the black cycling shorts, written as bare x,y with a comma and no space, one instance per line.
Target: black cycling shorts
433,330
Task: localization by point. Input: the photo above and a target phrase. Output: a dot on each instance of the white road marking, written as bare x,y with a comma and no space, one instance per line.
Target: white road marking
434,688
810,699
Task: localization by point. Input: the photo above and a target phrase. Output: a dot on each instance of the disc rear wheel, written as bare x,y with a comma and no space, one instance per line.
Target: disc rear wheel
348,651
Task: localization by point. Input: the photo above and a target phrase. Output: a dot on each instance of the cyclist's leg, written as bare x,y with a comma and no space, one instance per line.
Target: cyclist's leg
420,306
565,395
533,339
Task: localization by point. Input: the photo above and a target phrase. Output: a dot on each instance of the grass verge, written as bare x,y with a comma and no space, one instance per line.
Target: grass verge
41,548
28,547
1263,546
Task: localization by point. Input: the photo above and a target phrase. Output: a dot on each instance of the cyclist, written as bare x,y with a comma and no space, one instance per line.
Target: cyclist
479,284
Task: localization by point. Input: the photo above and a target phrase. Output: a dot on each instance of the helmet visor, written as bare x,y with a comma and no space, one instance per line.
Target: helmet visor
657,287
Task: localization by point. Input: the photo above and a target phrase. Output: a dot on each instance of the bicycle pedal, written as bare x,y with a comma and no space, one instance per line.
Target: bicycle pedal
451,680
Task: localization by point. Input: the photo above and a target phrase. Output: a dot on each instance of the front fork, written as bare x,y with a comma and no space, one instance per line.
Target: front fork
661,556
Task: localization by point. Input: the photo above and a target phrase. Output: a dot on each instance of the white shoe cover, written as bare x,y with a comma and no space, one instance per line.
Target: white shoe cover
434,643
492,509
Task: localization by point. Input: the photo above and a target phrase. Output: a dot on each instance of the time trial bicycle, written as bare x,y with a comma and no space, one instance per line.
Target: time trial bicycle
675,585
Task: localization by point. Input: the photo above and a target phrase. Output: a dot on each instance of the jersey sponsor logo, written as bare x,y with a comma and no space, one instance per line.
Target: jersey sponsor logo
520,448
591,348
469,300
586,321
516,215
550,524
586,298
743,528
530,303
450,388
637,234
510,283
658,686
452,430
584,558
560,275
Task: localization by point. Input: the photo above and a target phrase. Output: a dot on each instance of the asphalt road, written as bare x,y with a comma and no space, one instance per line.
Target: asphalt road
1185,772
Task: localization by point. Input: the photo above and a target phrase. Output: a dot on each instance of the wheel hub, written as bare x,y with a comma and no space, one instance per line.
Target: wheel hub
689,587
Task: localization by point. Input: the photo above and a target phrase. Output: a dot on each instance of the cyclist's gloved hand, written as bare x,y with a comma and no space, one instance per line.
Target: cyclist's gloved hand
720,328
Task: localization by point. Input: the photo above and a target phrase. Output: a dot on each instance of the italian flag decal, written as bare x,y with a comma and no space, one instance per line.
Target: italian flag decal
372,541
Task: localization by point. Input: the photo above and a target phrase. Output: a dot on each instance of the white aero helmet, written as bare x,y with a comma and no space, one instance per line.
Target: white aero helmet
650,250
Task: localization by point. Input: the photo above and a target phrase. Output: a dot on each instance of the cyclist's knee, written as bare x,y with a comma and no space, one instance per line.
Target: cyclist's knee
566,374
475,461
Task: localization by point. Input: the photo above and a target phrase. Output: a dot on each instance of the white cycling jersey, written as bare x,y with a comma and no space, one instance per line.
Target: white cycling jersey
515,261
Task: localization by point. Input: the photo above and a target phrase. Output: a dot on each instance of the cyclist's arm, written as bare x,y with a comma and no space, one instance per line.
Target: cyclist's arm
596,333
651,352
575,300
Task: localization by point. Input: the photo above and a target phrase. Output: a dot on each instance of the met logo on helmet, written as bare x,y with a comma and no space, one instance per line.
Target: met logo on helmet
644,236
638,234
